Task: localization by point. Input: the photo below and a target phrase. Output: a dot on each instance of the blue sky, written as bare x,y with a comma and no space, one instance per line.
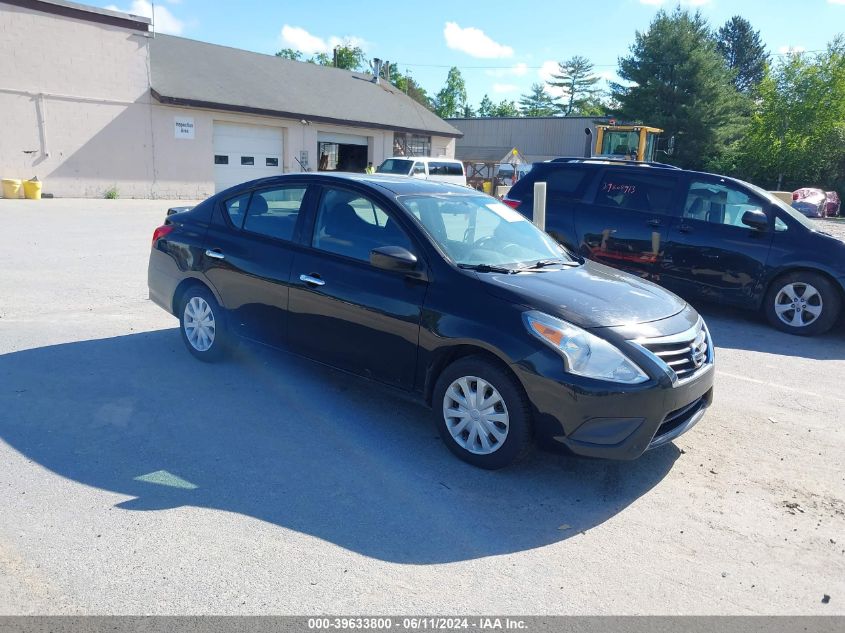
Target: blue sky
501,47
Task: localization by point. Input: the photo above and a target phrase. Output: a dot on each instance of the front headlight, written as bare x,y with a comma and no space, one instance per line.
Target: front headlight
585,354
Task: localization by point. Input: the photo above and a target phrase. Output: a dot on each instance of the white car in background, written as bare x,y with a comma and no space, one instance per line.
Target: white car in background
426,168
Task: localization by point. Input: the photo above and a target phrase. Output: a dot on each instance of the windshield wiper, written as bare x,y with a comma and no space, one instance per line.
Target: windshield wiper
542,263
487,268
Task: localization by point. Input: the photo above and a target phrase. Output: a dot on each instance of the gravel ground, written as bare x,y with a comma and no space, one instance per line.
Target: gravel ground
834,226
136,480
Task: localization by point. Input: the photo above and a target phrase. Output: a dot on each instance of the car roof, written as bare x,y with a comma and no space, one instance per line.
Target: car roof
425,159
396,185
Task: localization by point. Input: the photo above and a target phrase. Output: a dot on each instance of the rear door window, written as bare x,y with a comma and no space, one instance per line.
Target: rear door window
445,169
274,212
719,203
636,190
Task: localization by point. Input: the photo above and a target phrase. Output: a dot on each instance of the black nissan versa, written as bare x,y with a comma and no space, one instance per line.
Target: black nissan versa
445,292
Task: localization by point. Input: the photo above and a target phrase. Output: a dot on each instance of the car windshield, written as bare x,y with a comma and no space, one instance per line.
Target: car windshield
478,231
780,204
399,167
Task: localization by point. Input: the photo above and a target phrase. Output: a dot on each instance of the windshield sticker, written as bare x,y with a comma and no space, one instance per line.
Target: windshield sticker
505,212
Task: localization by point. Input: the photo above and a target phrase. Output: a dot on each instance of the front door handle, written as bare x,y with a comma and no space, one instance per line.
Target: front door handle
311,280
214,254
655,222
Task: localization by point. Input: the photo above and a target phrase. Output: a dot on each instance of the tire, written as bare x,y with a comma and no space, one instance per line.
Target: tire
802,303
508,422
197,301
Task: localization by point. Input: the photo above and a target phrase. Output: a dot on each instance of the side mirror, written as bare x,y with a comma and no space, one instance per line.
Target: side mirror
393,258
756,220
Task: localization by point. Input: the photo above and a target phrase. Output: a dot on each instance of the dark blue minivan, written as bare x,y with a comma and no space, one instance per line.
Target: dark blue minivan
701,235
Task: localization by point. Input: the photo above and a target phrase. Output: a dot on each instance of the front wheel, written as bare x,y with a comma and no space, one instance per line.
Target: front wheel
482,413
802,303
202,324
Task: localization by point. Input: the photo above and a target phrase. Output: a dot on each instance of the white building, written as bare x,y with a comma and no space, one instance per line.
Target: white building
91,100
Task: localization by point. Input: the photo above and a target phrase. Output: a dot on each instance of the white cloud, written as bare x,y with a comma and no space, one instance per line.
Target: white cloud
504,88
165,21
791,50
517,70
836,1
298,38
474,42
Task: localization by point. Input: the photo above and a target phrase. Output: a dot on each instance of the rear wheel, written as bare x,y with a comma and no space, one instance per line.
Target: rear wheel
803,303
482,413
202,324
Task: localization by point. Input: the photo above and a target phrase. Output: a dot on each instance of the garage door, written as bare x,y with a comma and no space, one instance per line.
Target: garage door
245,152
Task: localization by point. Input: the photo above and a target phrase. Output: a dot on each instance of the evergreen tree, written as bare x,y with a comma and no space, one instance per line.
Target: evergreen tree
578,82
680,83
744,53
505,108
537,103
485,108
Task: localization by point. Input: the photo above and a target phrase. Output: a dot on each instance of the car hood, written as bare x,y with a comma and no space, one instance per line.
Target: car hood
591,295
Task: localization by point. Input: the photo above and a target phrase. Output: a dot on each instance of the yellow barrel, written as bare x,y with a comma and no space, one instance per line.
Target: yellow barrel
32,189
11,188
487,187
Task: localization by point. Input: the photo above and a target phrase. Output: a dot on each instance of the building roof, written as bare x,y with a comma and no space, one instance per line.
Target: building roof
198,74
85,12
486,140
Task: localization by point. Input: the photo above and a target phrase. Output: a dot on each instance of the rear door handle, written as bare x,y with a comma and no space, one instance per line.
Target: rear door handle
655,223
685,228
312,280
214,254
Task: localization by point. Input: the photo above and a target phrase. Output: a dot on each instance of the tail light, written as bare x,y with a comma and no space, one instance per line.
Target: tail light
513,204
162,231
795,195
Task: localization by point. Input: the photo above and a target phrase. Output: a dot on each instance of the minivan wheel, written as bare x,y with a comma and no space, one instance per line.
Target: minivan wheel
482,413
802,303
202,324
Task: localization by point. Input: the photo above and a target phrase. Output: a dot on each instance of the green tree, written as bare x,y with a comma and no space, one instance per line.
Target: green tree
797,133
450,101
290,53
576,78
538,102
468,112
679,82
506,108
409,86
744,53
485,108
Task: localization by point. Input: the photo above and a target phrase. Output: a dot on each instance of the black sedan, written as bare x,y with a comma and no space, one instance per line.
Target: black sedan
446,293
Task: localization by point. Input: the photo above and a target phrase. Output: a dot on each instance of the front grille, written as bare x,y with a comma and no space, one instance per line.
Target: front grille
684,353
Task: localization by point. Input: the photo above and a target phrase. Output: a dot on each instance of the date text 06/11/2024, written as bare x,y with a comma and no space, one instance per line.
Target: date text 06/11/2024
430,623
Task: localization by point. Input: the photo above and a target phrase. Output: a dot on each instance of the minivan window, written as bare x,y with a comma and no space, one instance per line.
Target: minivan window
395,166
718,203
637,191
564,183
445,169
478,230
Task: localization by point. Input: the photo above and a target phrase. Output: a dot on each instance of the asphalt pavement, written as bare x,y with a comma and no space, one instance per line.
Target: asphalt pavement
137,480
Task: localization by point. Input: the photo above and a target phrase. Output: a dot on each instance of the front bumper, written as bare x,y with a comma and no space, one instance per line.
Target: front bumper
606,420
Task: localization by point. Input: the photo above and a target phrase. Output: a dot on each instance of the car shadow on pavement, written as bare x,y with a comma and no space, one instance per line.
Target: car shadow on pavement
293,443
741,329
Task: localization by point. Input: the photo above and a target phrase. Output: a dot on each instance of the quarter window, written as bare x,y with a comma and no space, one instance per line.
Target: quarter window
564,183
236,209
647,193
273,212
718,203
352,225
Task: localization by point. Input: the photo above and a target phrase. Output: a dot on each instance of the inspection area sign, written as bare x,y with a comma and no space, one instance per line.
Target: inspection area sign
184,127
